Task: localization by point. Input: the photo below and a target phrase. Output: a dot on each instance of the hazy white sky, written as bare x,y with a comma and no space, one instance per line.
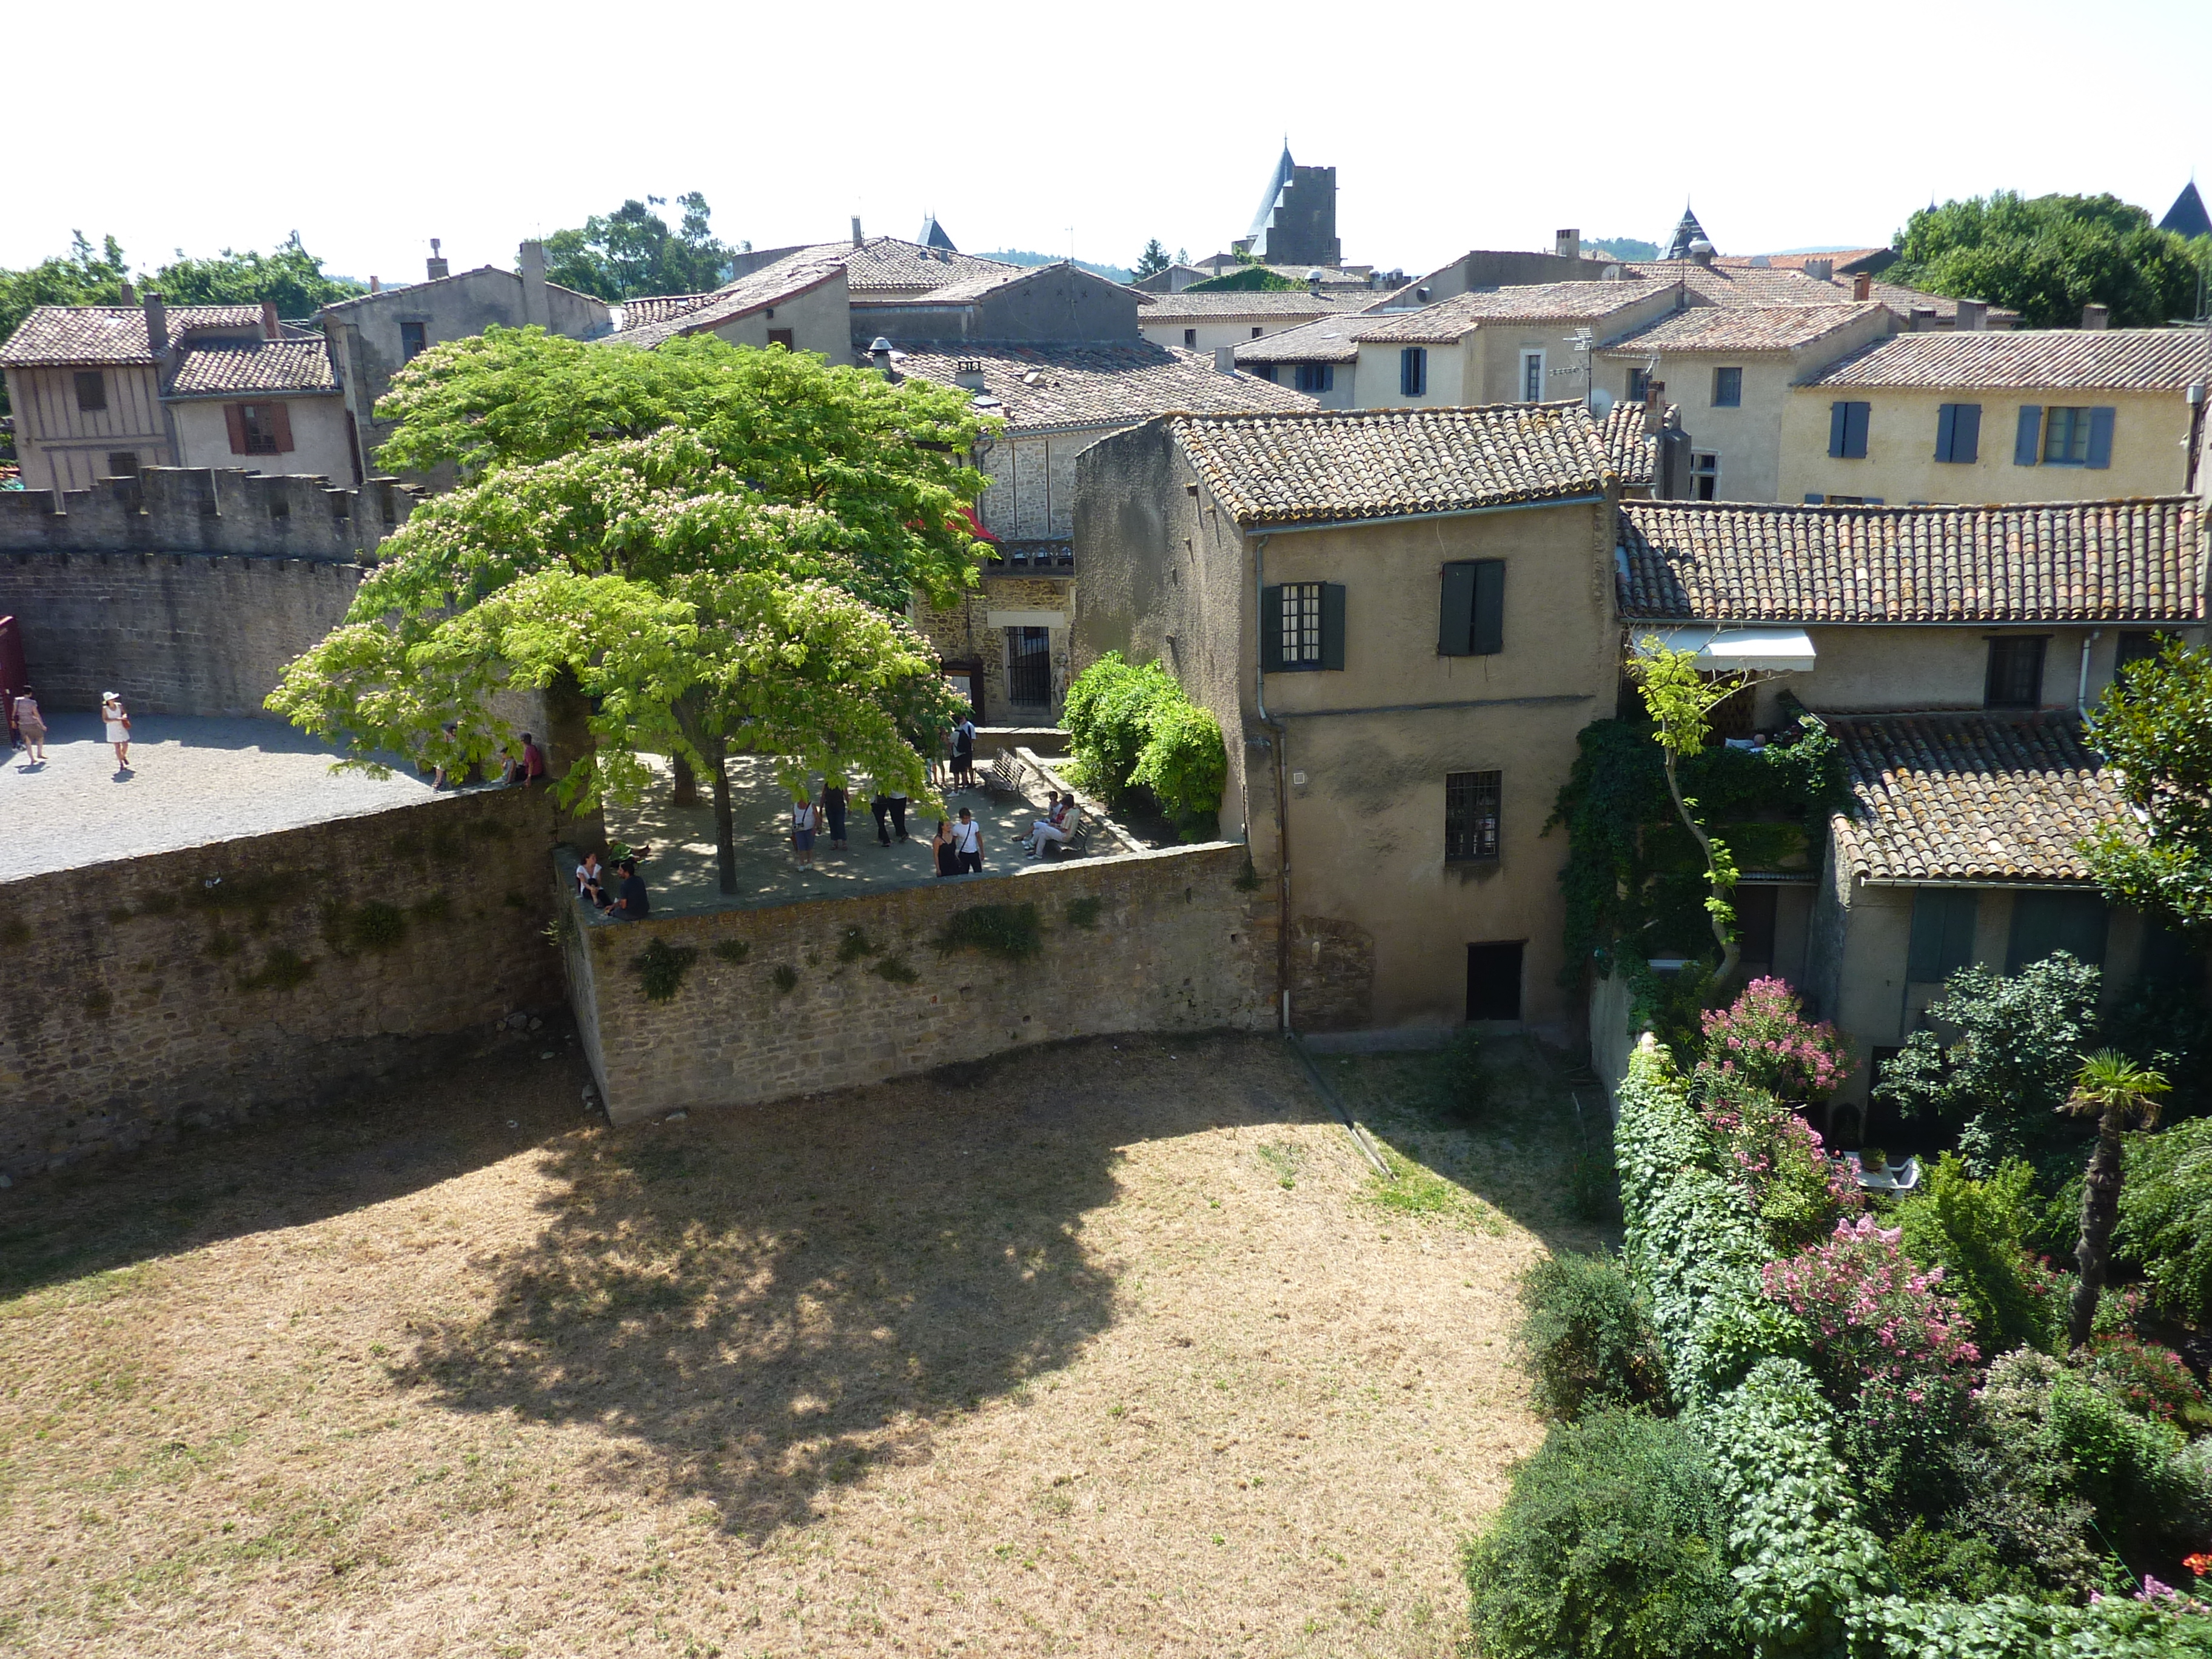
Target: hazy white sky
371,128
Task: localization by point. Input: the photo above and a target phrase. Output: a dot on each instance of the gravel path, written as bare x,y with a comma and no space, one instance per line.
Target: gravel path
192,781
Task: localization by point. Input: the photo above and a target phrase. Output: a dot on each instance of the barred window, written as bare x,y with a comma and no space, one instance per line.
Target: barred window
1471,815
1301,624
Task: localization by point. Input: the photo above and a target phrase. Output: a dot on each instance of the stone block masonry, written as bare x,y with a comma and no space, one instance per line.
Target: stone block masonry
193,987
787,999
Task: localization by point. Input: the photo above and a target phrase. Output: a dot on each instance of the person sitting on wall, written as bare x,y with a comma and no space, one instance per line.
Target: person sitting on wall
1052,826
532,764
589,885
630,904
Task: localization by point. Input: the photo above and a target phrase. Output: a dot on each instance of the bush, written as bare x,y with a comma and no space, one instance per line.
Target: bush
1799,1192
1873,1315
1184,764
1134,725
2166,1217
2149,1380
1586,1337
1976,1232
1764,1039
660,968
1608,1546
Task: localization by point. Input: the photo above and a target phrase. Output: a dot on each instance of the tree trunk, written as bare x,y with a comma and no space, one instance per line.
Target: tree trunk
1731,953
687,782
2100,1207
725,832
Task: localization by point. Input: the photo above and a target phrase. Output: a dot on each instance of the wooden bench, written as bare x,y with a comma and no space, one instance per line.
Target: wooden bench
1079,837
1005,777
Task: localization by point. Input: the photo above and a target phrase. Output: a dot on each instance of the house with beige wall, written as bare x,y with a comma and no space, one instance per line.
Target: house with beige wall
1952,650
1732,371
1400,619
1206,322
799,304
2039,415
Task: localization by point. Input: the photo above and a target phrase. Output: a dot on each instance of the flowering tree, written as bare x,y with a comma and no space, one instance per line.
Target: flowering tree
1799,1191
1764,1039
1874,1316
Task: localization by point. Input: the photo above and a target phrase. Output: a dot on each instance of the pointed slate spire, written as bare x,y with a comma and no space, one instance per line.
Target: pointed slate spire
1687,232
2187,217
1285,170
932,235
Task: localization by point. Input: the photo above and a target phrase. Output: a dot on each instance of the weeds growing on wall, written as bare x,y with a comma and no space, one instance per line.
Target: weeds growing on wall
855,945
660,968
1083,912
376,926
897,971
281,970
1010,932
732,951
785,978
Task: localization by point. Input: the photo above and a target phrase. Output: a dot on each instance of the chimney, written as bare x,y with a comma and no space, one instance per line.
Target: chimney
856,230
1701,252
1974,315
1655,406
530,259
968,372
129,294
1672,482
1923,319
1820,270
374,286
438,266
1568,244
1224,359
879,349
1863,286
270,329
157,324
2097,317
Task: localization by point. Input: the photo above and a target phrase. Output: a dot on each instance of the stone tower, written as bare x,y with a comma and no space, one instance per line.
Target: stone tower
1296,224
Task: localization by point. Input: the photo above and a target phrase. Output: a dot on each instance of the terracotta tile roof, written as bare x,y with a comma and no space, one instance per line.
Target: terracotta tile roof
112,334
1049,388
213,368
1837,258
1740,328
2043,359
383,295
971,285
884,266
1971,798
1632,452
1387,463
771,285
1230,308
659,307
1739,285
2072,562
1327,340
1563,302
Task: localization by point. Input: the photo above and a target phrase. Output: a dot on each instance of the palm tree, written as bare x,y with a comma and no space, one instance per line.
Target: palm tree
2121,1095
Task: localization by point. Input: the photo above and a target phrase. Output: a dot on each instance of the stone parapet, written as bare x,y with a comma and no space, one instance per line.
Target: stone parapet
177,509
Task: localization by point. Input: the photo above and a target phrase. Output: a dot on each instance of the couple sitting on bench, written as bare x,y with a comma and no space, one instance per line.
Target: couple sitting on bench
1059,823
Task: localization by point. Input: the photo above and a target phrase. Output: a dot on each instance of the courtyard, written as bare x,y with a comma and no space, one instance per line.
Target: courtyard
1120,1347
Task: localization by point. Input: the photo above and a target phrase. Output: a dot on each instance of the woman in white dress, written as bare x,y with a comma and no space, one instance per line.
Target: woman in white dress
118,721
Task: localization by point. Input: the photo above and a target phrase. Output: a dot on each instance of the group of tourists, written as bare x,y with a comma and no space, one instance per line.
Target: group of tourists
27,727
629,901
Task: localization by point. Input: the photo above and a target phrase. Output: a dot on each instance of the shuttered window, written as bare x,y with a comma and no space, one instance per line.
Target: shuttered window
1847,430
1317,377
2028,437
1413,372
1532,377
1302,627
2044,923
91,390
259,428
1471,812
2016,673
784,337
413,337
1190,339
1471,620
1943,933
1959,434
2067,432
1639,385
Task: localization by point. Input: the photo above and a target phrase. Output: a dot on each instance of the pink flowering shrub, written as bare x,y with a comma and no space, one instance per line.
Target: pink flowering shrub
2149,1380
1798,1190
1764,1039
1873,1314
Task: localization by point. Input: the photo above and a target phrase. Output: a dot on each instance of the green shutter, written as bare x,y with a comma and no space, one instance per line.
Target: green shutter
2100,437
1455,620
1943,933
1840,415
2044,923
1487,633
2027,441
1271,629
1946,431
1332,624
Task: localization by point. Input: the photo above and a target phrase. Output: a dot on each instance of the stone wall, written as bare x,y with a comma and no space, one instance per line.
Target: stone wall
190,987
963,633
1171,944
178,509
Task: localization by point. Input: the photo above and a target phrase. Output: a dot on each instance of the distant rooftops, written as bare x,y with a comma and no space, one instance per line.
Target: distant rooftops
1231,307
61,335
1741,328
772,285
2052,359
220,368
1054,387
1550,302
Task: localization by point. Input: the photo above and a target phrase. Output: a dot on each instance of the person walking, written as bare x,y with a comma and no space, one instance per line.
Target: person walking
880,804
968,842
803,821
964,753
32,724
896,800
940,848
117,721
835,803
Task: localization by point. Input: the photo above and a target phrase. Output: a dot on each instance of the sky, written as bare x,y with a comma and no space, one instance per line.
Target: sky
1077,128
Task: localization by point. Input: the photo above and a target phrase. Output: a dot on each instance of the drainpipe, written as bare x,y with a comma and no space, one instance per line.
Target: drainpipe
2082,688
2195,434
1282,791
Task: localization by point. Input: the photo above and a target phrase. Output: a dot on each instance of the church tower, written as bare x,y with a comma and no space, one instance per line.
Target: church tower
1296,224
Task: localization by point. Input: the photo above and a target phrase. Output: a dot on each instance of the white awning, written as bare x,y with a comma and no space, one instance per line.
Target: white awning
1770,650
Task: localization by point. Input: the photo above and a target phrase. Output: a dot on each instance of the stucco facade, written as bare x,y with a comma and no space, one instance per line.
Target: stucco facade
320,443
61,446
1491,363
2149,446
817,321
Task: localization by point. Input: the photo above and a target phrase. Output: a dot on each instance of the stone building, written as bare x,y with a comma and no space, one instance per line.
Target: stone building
1296,224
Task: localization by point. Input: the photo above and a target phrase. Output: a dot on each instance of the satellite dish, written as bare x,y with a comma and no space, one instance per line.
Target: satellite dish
1600,403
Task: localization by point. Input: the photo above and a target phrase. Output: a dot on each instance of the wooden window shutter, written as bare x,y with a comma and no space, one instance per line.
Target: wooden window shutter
1488,629
234,417
1271,629
1456,621
2100,437
2027,441
1855,423
1839,419
1942,939
1332,624
1947,430
1966,437
280,426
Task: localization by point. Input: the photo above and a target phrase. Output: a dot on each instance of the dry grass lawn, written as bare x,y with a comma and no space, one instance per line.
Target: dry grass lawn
1118,1349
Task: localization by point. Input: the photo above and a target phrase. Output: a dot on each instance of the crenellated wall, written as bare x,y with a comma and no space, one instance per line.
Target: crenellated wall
181,509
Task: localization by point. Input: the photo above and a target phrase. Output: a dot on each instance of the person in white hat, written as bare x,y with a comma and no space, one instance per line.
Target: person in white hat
118,721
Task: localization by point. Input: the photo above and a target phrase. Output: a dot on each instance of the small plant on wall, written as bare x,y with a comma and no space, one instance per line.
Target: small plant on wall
786,977
733,950
660,967
1008,932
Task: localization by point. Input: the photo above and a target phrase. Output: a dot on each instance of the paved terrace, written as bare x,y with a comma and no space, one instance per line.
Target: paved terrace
192,781
681,876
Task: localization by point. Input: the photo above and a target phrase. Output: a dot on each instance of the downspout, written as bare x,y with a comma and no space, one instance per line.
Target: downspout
2082,688
1282,798
2196,432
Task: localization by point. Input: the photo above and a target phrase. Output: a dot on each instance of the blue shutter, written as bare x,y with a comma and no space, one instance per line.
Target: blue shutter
1455,619
1967,435
1487,633
2027,442
1332,624
2100,437
1813,498
1946,431
1271,629
1839,421
1942,933
1855,430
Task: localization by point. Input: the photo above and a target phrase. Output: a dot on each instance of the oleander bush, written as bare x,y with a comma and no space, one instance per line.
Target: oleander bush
1763,1039
1799,1192
1585,1337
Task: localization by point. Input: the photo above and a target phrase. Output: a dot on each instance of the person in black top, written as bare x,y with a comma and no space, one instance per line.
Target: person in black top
630,902
964,754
